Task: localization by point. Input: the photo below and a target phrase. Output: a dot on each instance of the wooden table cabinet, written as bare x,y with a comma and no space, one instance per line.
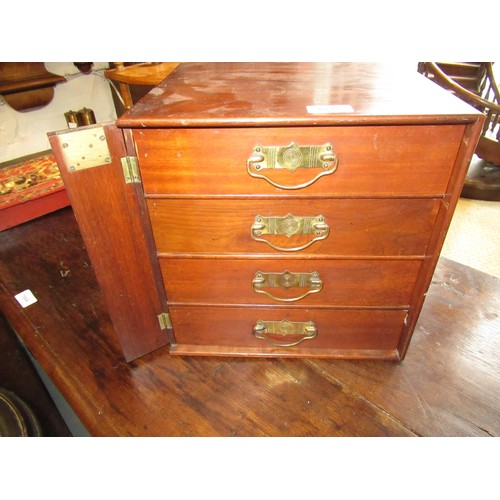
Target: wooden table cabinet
271,209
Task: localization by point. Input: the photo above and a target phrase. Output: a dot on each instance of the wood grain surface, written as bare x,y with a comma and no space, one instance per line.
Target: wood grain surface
391,227
237,94
357,283
371,160
448,385
353,330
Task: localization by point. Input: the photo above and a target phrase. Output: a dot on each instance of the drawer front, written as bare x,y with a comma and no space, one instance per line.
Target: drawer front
331,329
389,227
357,283
371,160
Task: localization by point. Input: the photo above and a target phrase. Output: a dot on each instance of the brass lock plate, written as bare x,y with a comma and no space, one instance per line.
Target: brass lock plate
85,148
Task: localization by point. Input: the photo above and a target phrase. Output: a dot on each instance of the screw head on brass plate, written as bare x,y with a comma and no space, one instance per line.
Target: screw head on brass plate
84,148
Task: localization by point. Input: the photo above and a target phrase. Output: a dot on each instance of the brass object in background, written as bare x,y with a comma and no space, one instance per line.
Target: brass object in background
73,119
17,418
80,118
87,116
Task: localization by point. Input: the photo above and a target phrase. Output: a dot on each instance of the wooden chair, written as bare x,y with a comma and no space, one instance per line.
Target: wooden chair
475,84
145,74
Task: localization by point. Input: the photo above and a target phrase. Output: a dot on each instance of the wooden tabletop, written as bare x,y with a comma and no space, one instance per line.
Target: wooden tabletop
448,385
142,73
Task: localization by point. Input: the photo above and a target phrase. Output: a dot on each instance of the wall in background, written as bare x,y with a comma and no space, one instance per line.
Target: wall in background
24,133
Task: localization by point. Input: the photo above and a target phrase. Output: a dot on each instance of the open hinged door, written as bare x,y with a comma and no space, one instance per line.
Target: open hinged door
98,166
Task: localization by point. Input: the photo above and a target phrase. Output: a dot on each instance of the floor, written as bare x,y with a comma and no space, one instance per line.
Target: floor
473,237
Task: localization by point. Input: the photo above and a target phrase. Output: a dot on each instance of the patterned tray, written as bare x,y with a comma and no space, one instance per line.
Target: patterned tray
28,180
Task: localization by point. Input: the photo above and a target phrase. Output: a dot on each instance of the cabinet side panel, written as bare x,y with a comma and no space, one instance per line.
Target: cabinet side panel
466,150
109,215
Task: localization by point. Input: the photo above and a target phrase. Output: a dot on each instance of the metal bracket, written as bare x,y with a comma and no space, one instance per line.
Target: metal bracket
165,321
85,148
130,168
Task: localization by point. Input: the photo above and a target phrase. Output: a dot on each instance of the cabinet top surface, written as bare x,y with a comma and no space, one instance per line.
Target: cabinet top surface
288,94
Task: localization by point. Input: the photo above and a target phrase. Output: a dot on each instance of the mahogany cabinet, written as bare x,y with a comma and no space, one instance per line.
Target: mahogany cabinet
287,209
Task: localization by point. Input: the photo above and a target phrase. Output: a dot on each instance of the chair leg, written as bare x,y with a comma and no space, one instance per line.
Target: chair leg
127,97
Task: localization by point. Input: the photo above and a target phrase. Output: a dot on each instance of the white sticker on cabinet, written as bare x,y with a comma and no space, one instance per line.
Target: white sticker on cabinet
319,109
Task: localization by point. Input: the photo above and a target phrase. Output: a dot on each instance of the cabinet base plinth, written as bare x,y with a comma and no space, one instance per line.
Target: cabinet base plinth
197,350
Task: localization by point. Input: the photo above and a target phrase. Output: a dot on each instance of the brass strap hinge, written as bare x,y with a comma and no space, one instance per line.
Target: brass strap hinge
165,321
130,168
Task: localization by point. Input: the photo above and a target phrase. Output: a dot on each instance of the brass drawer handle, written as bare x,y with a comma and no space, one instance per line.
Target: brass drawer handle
287,280
289,226
291,158
287,329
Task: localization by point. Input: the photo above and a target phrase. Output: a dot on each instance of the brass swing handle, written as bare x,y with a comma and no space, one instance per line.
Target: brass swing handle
304,331
287,280
289,225
291,158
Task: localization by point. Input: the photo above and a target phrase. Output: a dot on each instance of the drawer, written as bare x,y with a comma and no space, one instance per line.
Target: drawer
352,330
410,160
357,283
354,226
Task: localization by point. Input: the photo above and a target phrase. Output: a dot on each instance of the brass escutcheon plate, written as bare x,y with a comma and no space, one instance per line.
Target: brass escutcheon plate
289,225
287,280
292,158
264,330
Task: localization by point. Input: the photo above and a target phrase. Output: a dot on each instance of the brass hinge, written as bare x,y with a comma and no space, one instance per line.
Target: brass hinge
130,169
165,321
